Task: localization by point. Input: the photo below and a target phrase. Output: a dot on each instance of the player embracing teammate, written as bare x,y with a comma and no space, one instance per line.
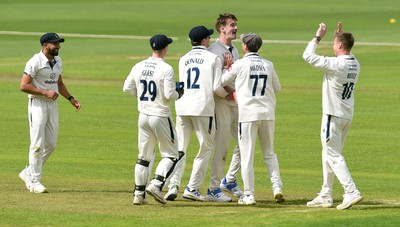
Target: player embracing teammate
226,95
256,83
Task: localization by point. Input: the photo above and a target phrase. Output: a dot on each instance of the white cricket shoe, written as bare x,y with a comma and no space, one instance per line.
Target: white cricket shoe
139,200
349,200
278,195
321,201
25,176
38,188
232,188
193,195
217,196
156,193
247,200
172,193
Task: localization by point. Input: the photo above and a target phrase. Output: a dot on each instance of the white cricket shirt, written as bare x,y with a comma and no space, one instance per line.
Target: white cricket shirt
341,76
256,84
219,48
152,81
200,70
44,73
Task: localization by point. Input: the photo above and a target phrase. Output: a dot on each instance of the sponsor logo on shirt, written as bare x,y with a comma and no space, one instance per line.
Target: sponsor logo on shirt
52,79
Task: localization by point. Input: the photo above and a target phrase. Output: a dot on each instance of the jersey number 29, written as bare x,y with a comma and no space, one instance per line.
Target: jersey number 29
150,88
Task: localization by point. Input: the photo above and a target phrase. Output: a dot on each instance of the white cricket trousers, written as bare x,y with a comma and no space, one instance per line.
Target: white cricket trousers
248,132
205,132
333,135
153,129
227,124
43,125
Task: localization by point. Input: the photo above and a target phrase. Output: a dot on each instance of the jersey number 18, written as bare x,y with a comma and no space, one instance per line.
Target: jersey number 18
347,90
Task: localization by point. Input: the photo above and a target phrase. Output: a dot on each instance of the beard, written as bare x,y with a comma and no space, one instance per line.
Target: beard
53,52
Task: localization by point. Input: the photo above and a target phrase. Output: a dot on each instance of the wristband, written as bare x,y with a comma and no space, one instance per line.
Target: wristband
70,97
318,38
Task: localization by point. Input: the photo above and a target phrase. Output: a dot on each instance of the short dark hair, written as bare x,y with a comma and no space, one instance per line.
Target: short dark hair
221,20
252,41
346,38
195,43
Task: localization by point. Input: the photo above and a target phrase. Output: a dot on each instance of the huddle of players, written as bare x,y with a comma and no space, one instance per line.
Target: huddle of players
218,95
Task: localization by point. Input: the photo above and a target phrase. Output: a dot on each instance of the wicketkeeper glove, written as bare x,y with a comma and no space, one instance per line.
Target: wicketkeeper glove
179,88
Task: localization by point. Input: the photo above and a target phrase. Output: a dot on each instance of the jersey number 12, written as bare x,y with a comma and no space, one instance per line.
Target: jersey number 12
192,78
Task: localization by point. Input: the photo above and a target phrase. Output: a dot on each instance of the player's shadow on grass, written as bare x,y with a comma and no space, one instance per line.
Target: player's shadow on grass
90,191
180,202
271,204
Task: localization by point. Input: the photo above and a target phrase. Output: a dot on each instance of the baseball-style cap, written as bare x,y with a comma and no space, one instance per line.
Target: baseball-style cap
50,38
159,42
252,40
199,33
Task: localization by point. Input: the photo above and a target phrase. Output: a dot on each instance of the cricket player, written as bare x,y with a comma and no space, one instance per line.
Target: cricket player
201,72
256,83
226,115
43,82
340,78
152,82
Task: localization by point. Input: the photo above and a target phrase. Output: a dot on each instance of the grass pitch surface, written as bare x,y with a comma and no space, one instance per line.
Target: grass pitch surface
90,175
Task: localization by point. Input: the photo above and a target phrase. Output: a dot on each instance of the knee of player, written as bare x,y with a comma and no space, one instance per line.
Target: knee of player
36,150
332,153
270,155
143,162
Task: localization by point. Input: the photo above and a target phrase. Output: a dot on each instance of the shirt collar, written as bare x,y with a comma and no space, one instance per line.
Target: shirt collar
251,54
155,59
199,47
43,58
224,45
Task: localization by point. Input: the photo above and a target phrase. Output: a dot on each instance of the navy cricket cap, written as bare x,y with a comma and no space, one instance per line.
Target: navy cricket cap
199,33
159,42
50,38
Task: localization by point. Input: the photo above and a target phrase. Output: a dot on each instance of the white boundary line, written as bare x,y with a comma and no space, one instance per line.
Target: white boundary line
80,35
356,43
99,36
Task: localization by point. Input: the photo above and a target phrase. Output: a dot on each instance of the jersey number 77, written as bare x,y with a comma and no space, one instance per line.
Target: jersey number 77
256,78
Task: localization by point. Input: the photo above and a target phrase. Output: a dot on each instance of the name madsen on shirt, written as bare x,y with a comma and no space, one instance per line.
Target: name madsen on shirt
257,68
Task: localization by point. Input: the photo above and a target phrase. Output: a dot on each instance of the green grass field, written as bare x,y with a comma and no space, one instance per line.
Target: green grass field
90,175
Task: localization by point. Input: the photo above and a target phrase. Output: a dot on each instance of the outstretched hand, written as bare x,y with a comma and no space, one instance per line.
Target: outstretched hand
321,30
339,28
